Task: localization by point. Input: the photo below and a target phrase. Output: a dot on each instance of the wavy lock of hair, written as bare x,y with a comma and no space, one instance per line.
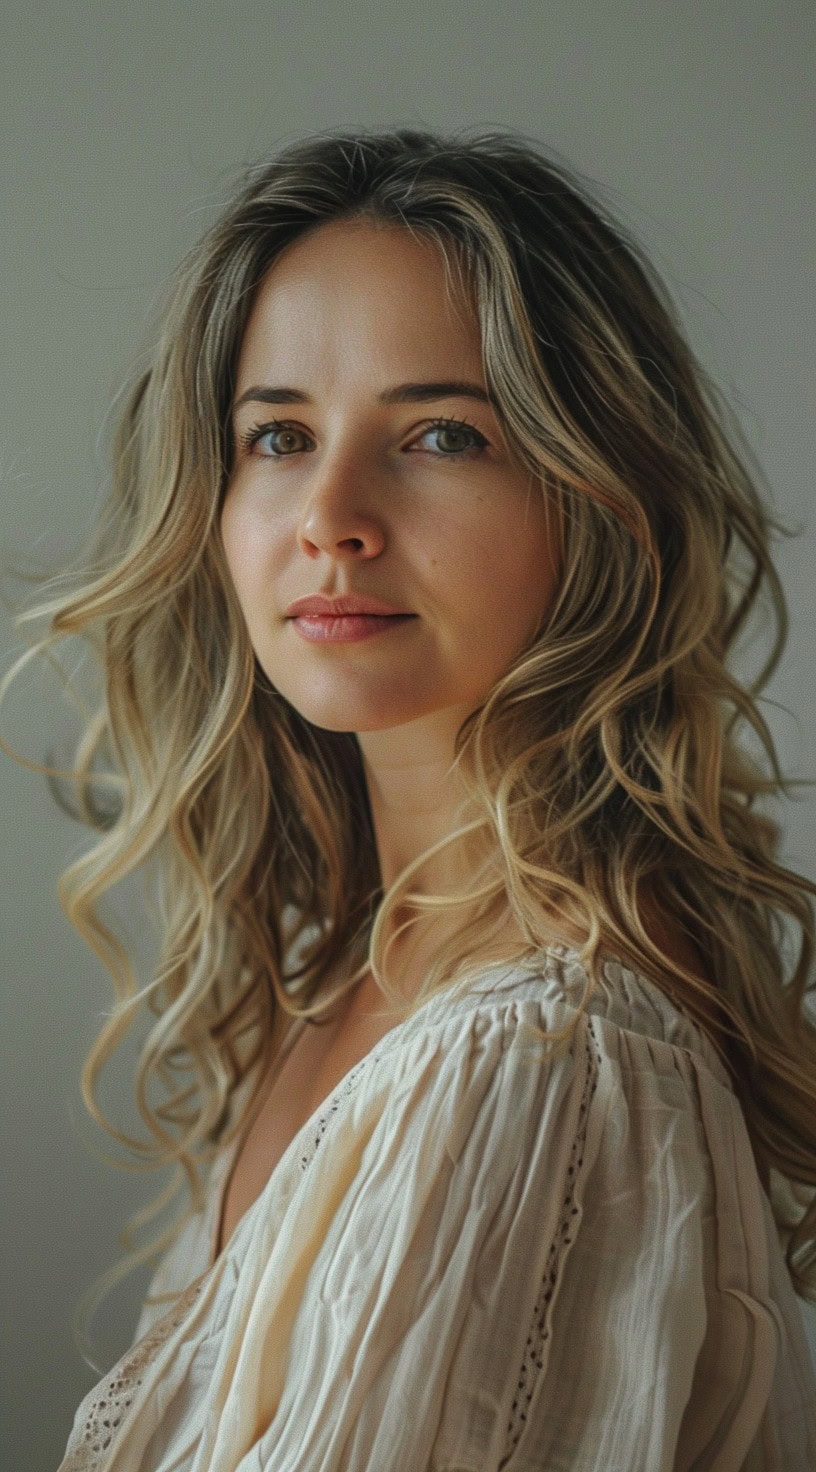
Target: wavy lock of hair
604,766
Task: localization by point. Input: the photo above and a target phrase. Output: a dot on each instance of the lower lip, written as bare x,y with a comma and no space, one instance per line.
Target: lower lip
344,629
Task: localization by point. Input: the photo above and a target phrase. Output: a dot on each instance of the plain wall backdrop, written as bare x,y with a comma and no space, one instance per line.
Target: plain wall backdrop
122,125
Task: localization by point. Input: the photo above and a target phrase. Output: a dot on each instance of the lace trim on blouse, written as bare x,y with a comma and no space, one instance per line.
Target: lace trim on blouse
533,1360
108,1410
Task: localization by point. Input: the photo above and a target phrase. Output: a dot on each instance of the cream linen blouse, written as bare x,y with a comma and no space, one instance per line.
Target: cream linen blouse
473,1258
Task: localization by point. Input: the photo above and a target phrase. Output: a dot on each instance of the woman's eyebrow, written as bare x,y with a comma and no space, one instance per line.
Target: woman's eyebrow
402,393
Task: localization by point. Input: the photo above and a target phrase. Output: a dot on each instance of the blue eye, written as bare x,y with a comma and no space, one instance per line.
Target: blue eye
258,432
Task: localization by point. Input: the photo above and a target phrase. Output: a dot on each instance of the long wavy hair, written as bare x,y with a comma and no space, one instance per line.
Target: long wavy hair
604,766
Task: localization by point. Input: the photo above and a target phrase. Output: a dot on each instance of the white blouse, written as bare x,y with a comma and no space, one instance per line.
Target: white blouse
473,1258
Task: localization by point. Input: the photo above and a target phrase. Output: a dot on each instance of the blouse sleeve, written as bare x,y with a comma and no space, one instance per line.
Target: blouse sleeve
510,1270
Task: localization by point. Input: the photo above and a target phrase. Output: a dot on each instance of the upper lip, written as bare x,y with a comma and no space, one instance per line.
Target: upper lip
344,603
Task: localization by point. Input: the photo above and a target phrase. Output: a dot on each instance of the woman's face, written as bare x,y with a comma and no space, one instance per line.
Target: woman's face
361,495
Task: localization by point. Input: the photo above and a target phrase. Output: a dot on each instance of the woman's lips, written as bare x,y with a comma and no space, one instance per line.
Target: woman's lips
346,628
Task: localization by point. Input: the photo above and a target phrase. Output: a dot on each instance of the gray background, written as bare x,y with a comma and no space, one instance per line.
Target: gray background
121,125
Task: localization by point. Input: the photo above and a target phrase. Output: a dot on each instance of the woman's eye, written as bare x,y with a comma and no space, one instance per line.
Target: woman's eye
260,432
457,428
444,429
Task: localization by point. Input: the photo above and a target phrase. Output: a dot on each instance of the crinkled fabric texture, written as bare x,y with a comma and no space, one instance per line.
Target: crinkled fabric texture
476,1257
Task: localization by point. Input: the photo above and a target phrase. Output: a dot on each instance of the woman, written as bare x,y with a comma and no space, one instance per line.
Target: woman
470,932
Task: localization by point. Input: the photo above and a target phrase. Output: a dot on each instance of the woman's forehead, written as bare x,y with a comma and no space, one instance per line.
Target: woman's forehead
381,311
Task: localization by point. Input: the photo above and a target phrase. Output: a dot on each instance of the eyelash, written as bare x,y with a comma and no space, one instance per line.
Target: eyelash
257,431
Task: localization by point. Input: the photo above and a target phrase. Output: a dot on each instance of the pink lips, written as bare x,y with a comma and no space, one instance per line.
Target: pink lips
346,628
341,604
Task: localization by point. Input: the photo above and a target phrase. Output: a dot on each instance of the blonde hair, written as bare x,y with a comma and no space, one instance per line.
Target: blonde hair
603,765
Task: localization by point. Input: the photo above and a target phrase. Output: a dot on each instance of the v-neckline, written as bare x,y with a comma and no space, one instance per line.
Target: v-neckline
227,1162
229,1157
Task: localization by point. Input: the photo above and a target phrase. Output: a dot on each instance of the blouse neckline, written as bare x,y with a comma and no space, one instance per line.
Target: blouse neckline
560,949
227,1160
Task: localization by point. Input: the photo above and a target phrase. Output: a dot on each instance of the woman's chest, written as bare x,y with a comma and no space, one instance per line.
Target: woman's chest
275,1126
318,1060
